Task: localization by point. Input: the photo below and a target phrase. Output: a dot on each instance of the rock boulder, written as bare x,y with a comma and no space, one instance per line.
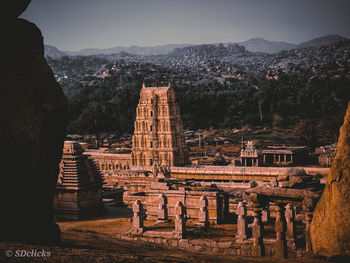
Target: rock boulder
11,9
33,121
330,227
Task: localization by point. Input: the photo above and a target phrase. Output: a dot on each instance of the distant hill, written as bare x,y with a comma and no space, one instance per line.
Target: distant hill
136,50
253,45
53,52
262,45
217,86
323,41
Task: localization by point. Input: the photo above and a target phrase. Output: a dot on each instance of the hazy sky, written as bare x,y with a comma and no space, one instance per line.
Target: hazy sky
78,24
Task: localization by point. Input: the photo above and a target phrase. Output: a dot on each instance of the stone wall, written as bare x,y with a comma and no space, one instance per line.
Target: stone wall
217,208
219,247
110,161
226,173
217,201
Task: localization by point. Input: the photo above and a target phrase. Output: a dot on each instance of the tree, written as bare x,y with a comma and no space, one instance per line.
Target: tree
306,132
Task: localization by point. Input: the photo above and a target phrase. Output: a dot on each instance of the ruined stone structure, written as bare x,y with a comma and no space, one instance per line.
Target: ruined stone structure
271,155
162,207
203,212
284,155
242,225
79,185
110,161
250,156
290,221
280,228
180,221
33,121
259,197
326,154
158,135
190,197
265,214
137,220
258,236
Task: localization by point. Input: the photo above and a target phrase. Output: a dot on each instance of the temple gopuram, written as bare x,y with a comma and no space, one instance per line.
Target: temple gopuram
158,135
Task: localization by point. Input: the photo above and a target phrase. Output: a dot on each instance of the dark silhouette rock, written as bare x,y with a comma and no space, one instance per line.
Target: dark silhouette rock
330,227
33,121
13,8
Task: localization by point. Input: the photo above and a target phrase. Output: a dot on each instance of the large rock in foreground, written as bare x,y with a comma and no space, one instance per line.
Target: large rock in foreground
32,121
11,9
330,227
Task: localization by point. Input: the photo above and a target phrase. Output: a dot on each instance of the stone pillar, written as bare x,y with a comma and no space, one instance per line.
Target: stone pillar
308,205
242,225
203,212
180,221
162,208
280,228
137,222
290,218
308,245
265,216
258,235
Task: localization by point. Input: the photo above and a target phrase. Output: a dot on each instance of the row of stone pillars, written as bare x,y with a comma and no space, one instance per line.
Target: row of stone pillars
203,210
284,227
180,215
284,224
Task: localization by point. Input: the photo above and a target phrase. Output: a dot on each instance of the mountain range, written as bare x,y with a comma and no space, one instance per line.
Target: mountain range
259,45
262,45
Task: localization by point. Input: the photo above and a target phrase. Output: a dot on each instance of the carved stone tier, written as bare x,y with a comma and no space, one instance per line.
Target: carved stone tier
158,136
78,191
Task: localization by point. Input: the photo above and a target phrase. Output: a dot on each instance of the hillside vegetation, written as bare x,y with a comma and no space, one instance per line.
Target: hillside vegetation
217,86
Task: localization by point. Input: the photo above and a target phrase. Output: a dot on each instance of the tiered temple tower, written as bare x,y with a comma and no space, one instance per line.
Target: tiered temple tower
78,191
158,138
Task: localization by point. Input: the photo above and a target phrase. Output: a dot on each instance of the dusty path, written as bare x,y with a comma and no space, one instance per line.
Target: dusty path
94,241
99,249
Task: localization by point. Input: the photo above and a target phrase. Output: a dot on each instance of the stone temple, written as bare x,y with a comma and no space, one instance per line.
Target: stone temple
78,191
158,136
160,186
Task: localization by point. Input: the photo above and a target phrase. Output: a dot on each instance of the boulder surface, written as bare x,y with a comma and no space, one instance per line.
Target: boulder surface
33,120
11,9
330,227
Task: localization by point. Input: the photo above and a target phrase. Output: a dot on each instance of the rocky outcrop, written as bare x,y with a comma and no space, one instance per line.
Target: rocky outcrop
32,119
330,228
13,9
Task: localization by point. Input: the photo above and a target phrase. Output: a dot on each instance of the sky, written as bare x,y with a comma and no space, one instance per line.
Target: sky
77,24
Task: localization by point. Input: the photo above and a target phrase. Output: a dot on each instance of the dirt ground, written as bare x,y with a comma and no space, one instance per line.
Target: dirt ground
94,241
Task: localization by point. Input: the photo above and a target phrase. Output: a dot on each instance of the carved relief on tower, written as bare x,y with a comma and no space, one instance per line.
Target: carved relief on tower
158,129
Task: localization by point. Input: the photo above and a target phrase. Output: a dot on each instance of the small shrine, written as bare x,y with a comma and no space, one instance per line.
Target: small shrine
78,191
